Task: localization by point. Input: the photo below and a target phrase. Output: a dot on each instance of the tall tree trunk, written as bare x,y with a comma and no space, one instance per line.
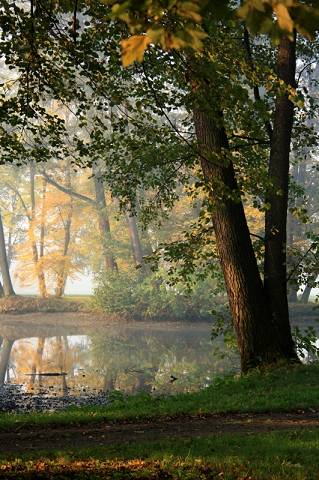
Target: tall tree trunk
104,224
7,284
291,260
10,252
275,269
135,240
306,294
63,273
42,225
146,241
256,334
4,358
37,265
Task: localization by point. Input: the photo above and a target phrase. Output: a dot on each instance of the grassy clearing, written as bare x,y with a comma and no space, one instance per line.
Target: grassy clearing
272,456
20,304
285,389
84,299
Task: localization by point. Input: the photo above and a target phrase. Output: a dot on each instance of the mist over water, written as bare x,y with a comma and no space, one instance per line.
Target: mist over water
75,355
159,358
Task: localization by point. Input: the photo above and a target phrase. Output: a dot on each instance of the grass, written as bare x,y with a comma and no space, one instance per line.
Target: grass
20,304
285,389
272,456
278,455
85,299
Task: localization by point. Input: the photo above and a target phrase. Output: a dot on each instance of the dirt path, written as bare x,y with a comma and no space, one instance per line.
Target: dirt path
28,439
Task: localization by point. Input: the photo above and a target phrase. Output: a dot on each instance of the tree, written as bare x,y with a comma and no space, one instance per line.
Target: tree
37,259
4,266
275,270
212,138
152,157
104,223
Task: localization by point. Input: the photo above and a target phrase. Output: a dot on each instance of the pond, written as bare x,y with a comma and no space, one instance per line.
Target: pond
83,358
74,355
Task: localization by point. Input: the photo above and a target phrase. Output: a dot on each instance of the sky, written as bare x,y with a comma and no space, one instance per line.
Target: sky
81,286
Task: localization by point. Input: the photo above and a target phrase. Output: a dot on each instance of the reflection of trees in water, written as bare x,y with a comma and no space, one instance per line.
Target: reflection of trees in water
162,361
124,361
124,358
5,353
35,359
38,359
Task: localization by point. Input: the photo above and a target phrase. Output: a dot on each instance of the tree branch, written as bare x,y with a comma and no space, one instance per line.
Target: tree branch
257,236
21,200
297,265
68,191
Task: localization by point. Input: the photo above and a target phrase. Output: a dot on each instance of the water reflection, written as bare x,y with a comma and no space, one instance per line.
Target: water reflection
163,358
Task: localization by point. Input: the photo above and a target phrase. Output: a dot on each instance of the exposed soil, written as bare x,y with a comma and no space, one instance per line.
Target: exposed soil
27,439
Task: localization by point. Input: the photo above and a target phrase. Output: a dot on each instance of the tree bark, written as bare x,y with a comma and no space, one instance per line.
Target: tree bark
135,240
38,267
63,273
42,225
306,294
104,224
6,278
256,334
291,260
4,358
68,191
275,268
10,248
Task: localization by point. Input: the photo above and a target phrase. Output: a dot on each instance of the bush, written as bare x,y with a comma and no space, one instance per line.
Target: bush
150,297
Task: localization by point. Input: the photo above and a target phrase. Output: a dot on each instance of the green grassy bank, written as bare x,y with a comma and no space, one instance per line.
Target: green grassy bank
284,389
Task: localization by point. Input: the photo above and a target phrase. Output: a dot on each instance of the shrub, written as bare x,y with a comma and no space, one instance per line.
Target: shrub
151,297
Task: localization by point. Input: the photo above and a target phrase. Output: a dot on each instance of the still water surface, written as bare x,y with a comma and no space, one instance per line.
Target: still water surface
77,354
55,358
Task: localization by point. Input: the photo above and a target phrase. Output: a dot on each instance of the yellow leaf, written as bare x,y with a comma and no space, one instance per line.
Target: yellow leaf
133,49
284,19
